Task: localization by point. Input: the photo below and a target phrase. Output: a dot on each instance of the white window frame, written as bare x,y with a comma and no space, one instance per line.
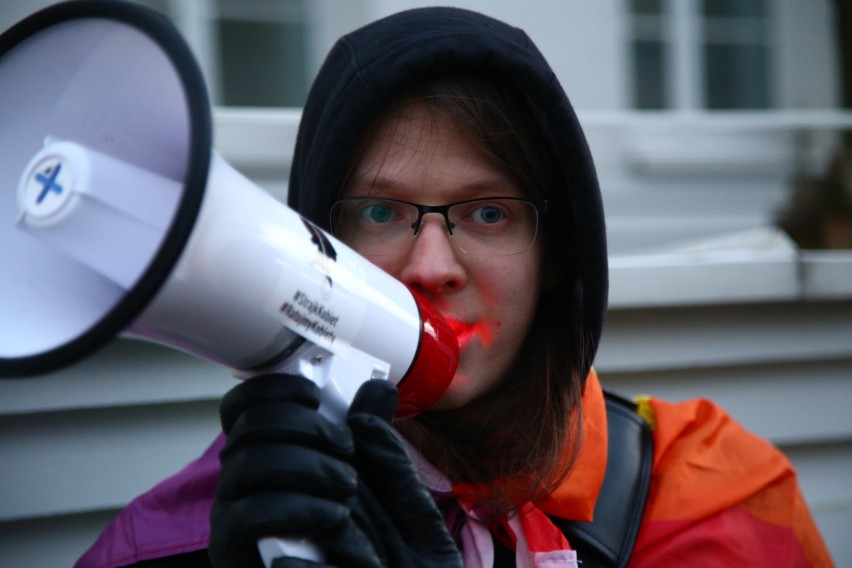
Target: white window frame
680,28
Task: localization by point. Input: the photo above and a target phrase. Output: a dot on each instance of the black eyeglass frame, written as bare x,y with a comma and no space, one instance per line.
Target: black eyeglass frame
540,205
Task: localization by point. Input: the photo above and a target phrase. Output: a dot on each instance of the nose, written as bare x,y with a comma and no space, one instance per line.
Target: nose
432,265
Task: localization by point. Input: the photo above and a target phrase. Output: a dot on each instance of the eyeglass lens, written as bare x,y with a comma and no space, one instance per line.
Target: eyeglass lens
483,227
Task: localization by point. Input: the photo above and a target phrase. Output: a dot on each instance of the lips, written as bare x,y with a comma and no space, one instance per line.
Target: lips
463,331
459,328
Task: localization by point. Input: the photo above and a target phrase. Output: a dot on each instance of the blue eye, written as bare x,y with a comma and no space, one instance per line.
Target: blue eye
488,214
377,213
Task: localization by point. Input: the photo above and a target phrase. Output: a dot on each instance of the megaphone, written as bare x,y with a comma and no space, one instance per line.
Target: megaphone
118,218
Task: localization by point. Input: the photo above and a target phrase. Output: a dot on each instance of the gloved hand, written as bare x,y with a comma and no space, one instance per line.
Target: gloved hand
351,489
401,511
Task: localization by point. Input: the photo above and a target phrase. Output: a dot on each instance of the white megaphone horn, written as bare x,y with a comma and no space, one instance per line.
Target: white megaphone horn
117,218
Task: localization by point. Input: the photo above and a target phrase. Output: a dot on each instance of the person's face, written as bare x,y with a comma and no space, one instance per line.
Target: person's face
488,300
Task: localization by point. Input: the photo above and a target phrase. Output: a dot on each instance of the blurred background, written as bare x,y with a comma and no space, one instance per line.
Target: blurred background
722,133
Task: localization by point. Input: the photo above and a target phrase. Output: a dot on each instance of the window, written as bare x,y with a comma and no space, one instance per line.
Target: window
252,52
262,47
648,52
700,54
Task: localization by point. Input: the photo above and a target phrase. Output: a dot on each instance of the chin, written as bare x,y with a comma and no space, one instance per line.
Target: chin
446,402
463,391
453,398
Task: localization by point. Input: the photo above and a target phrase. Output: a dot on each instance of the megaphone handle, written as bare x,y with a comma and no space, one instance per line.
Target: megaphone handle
315,363
272,548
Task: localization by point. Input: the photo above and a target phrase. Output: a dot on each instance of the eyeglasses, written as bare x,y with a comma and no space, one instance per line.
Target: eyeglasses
489,226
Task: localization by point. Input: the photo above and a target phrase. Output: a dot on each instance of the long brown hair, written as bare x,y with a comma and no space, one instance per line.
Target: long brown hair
535,435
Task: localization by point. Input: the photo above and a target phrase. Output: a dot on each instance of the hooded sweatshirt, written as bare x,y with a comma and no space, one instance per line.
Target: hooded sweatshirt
370,67
718,494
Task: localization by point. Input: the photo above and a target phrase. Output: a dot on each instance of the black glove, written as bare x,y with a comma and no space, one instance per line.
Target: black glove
288,471
410,529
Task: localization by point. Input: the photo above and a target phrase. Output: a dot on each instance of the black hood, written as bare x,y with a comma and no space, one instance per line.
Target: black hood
369,67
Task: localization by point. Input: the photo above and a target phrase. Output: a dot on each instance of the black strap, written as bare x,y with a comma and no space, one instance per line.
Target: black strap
608,540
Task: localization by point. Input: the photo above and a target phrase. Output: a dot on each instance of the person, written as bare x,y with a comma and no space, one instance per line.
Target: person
438,143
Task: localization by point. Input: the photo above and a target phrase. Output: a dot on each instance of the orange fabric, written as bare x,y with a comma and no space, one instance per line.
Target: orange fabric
701,448
722,494
719,495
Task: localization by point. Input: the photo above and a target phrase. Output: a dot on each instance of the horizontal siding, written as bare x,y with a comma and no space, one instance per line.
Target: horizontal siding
768,337
83,461
124,373
66,472
50,542
789,403
702,336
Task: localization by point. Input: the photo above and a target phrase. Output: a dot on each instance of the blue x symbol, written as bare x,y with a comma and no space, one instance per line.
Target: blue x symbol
49,183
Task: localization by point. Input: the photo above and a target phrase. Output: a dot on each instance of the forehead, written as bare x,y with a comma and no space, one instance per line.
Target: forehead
416,129
416,149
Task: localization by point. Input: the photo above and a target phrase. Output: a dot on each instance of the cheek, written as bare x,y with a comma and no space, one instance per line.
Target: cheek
508,298
520,295
390,264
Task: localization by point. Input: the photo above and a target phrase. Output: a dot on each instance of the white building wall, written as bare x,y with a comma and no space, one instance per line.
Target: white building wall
576,36
755,325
